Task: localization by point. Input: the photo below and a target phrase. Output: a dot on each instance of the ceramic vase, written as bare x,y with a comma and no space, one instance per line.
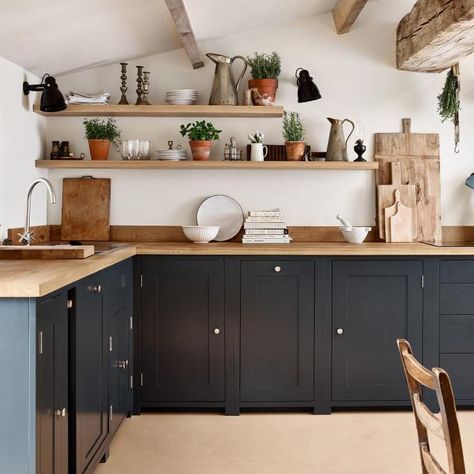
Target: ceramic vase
258,152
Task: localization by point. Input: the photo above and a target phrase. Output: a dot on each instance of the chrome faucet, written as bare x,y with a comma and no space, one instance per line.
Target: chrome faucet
27,235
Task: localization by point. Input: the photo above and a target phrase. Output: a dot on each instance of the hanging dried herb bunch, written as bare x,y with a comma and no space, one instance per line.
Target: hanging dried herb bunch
449,103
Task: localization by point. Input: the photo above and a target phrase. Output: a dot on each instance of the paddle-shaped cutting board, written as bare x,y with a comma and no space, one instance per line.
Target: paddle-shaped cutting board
401,224
386,198
418,154
86,209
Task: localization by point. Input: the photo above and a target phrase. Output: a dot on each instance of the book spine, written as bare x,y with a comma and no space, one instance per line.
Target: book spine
266,236
264,225
265,241
265,219
266,232
266,214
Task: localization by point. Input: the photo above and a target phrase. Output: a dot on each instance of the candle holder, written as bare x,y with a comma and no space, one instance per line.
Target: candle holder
145,89
123,87
139,84
360,150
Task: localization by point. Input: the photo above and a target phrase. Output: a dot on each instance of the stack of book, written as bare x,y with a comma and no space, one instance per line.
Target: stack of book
266,227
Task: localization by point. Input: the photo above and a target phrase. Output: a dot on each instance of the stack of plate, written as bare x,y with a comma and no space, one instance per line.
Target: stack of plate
182,97
171,155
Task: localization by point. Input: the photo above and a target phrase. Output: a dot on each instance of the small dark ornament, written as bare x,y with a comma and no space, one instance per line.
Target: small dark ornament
360,150
7,242
123,87
55,150
307,89
139,84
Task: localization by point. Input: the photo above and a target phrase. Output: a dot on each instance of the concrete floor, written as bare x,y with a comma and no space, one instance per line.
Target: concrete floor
182,443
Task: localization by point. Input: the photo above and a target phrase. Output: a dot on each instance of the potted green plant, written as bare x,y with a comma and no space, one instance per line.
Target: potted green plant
293,133
101,133
201,134
265,69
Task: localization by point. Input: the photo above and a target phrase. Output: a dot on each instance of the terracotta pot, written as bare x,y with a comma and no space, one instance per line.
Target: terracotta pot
295,150
267,90
99,149
201,149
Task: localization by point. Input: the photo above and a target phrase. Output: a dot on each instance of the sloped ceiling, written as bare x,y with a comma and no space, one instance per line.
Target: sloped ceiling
59,36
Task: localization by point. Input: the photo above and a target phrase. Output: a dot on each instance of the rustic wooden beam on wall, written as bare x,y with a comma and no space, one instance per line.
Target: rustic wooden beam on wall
345,13
185,31
435,35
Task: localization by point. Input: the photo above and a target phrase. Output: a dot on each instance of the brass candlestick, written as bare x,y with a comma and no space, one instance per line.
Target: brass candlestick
145,91
139,84
123,87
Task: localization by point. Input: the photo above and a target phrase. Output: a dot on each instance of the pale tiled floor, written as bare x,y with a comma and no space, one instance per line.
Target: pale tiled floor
181,443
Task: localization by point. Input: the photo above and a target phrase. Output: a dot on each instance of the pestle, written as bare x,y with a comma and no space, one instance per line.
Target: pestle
347,225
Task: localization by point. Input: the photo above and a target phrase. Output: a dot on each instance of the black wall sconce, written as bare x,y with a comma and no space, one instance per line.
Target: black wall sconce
52,99
307,89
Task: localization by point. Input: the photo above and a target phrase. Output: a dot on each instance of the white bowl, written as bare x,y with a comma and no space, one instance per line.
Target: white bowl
200,234
356,235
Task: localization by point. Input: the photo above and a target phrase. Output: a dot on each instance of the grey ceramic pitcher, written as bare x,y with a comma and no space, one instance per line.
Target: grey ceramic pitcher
337,145
224,88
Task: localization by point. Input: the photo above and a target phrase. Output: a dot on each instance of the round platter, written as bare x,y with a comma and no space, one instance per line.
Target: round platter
222,211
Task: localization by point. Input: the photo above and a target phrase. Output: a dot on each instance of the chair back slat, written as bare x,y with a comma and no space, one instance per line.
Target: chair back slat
430,421
445,425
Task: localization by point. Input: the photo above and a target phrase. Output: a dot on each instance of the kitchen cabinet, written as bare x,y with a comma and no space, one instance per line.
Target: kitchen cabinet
52,385
89,372
182,331
374,302
276,331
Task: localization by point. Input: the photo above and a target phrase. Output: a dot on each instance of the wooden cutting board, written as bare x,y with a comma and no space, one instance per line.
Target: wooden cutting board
46,251
401,224
86,209
418,154
386,197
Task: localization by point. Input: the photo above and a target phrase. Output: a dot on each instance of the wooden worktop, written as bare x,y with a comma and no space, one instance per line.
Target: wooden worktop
35,278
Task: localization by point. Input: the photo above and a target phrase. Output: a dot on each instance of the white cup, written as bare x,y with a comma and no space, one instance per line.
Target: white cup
258,152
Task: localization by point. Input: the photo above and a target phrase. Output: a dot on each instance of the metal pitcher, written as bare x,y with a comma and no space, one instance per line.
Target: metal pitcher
224,89
337,146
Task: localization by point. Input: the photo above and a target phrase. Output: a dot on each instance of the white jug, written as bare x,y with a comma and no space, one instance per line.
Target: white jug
258,152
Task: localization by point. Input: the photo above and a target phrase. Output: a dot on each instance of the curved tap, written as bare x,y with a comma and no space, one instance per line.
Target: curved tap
27,235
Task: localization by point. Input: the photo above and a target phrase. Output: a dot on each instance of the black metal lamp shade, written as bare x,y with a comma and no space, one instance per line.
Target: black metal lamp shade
52,99
307,89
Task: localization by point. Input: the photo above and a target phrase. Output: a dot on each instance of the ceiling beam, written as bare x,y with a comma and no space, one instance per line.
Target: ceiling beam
185,31
345,13
435,35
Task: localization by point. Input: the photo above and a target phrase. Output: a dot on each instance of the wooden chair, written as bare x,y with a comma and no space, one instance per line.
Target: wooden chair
445,424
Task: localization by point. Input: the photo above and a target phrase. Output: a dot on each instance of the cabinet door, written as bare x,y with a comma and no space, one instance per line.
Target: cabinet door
373,304
52,386
277,331
118,302
90,358
182,330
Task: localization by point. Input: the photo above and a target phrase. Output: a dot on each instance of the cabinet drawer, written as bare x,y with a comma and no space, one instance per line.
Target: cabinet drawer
457,333
460,368
456,299
457,271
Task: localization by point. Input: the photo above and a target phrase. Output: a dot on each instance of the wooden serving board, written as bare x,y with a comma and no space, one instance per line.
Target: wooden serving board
86,209
46,251
418,154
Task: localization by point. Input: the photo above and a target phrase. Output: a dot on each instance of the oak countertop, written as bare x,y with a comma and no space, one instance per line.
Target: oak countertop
35,278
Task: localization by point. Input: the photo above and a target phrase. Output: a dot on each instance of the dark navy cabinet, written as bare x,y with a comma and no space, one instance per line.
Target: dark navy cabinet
182,331
276,331
52,411
374,302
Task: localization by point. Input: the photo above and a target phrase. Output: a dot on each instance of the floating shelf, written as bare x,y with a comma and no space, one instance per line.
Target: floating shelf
207,165
165,111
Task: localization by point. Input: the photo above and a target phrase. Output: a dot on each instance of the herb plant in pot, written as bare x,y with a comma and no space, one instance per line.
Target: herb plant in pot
265,69
201,134
293,133
101,133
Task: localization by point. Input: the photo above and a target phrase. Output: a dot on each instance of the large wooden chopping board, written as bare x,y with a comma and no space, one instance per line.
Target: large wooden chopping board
86,209
418,154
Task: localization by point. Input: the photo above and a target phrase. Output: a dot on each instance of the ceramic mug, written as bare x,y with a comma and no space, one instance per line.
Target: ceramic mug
258,152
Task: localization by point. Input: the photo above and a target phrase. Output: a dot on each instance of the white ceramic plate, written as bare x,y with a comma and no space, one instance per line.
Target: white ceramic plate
224,212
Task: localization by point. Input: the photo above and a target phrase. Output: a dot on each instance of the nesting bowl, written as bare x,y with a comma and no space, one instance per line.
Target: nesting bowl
200,234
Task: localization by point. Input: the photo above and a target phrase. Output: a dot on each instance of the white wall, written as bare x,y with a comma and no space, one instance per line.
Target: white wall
21,139
357,78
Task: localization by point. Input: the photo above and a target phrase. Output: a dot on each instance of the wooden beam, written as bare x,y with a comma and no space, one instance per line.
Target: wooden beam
435,35
345,13
185,31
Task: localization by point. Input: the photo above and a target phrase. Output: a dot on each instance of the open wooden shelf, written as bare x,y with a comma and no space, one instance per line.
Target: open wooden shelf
207,165
165,111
